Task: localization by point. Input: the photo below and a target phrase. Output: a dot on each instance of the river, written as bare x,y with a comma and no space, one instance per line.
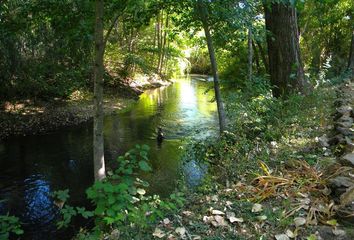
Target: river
31,167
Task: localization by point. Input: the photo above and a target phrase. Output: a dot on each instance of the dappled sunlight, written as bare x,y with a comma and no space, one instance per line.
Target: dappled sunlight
24,108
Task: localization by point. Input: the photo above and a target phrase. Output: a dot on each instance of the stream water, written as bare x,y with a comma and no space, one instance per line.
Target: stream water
33,166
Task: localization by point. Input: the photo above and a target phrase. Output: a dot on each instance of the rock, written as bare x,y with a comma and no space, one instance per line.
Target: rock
336,140
347,198
348,159
345,131
341,181
344,124
327,232
323,141
344,109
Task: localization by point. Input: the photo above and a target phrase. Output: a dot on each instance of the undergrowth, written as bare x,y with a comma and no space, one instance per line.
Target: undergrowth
269,156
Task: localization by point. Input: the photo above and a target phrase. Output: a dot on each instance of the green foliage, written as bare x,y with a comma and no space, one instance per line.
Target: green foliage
62,195
43,53
121,201
8,225
68,212
257,120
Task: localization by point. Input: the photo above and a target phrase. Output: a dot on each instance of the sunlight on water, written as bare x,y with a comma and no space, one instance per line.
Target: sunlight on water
33,166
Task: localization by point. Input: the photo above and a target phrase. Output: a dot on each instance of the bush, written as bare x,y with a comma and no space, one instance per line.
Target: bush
120,200
8,225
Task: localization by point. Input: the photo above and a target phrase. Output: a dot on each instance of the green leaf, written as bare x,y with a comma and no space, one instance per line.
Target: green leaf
99,209
18,231
311,237
111,199
145,147
109,220
332,222
110,212
144,166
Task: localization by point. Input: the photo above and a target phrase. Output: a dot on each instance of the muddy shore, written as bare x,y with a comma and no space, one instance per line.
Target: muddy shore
30,117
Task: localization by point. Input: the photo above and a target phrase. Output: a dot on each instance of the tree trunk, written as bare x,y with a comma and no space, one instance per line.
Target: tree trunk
164,43
285,65
98,147
159,38
263,56
214,67
351,56
250,53
256,58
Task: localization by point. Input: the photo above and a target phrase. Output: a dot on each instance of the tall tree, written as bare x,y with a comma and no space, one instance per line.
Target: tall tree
250,53
98,142
285,64
351,56
203,12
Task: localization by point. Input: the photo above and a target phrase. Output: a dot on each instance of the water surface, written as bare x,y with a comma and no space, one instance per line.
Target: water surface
33,166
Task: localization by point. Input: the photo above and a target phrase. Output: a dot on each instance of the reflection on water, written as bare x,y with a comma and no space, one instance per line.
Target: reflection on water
33,166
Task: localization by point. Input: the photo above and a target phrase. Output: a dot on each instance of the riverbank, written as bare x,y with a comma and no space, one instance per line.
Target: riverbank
31,117
275,179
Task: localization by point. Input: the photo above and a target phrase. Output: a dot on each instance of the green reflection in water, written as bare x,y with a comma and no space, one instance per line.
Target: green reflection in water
183,109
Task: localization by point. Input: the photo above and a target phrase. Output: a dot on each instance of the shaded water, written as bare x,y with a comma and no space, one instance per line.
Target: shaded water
33,166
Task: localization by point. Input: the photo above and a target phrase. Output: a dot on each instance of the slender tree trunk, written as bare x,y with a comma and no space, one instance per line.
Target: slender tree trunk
159,39
351,56
250,53
285,64
263,56
98,144
164,44
256,58
154,43
167,57
214,66
114,22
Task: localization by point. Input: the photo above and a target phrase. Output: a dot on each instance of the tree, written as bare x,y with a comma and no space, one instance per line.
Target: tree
250,53
351,56
285,64
204,19
98,141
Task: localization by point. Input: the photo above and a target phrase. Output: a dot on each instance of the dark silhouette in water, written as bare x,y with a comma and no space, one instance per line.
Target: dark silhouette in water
159,137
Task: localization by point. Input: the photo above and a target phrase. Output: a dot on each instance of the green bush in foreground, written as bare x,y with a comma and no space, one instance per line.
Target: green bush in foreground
8,225
120,200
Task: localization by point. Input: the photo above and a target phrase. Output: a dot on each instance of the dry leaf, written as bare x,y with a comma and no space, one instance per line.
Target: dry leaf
262,218
299,221
181,231
166,221
290,233
281,237
187,213
234,219
207,219
217,212
219,221
158,233
171,237
257,208
228,203
215,198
